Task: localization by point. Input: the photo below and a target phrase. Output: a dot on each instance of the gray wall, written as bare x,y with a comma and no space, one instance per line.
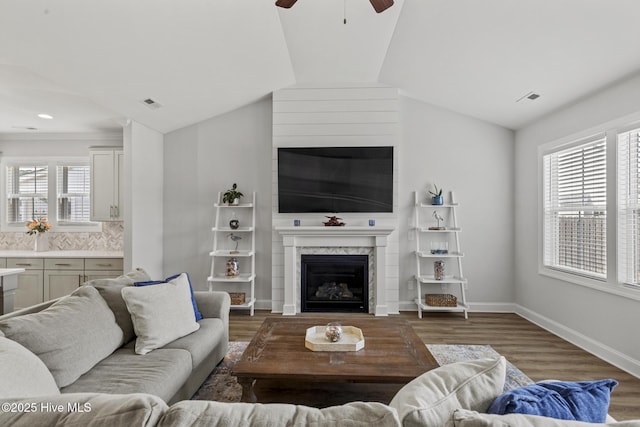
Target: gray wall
471,157
203,159
599,321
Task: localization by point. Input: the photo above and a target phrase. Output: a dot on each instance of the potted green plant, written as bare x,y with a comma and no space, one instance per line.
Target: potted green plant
436,198
232,196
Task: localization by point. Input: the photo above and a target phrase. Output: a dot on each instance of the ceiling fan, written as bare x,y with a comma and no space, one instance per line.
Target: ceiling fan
378,5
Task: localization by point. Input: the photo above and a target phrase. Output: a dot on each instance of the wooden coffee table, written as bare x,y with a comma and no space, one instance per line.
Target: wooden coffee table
393,354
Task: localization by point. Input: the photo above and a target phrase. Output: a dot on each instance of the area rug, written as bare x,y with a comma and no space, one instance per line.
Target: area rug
223,387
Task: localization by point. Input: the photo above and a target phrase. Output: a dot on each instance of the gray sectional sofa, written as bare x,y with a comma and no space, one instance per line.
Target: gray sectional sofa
78,362
87,341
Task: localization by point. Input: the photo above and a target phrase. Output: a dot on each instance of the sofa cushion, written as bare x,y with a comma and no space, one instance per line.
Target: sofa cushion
110,290
70,336
466,418
161,373
431,398
580,401
160,313
196,312
202,342
22,373
87,410
216,414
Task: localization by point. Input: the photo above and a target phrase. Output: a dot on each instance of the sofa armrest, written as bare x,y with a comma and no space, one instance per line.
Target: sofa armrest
214,304
84,409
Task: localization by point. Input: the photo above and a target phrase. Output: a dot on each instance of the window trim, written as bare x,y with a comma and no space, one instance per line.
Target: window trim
52,196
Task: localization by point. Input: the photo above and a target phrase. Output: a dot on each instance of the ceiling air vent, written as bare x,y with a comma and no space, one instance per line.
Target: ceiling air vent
151,103
531,96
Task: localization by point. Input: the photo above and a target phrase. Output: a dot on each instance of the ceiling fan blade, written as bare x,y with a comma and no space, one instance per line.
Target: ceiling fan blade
285,3
381,5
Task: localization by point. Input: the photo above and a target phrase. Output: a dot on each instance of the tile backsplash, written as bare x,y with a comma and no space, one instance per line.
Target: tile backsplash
110,239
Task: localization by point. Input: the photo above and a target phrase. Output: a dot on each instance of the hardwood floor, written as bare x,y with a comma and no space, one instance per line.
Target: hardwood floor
536,352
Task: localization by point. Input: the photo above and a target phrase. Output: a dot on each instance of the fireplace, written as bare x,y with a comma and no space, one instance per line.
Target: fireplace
334,283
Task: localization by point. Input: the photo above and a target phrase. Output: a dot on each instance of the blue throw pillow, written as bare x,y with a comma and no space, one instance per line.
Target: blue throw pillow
193,298
586,401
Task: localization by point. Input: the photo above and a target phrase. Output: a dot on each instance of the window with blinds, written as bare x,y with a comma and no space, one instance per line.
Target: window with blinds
73,183
27,191
56,190
575,208
628,207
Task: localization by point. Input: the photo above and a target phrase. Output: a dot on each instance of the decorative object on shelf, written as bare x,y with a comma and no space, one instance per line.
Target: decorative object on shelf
438,218
232,196
234,224
438,270
237,298
441,300
233,268
333,331
334,221
436,198
296,222
39,227
372,222
234,238
439,248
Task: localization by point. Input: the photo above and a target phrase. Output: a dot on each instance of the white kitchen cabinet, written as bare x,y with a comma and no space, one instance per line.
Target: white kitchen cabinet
30,290
107,168
45,279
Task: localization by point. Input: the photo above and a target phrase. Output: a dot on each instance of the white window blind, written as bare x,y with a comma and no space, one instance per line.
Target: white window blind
628,207
575,201
27,187
73,183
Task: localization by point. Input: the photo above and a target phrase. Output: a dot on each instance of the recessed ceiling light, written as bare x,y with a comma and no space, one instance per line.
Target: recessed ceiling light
45,116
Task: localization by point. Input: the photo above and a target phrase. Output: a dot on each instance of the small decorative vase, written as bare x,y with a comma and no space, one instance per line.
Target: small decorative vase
437,200
233,268
234,224
41,243
438,270
333,331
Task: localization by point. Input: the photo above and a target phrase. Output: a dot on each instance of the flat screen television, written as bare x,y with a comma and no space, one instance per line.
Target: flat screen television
335,179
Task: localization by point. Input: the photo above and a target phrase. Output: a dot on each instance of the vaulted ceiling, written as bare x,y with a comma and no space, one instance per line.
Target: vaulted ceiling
91,64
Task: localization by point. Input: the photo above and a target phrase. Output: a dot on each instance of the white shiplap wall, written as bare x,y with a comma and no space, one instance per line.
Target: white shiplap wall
334,116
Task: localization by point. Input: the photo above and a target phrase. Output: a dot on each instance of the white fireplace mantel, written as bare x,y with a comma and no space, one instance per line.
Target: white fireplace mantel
294,238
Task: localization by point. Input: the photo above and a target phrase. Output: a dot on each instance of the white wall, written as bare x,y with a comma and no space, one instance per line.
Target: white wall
143,195
200,161
601,322
464,154
474,159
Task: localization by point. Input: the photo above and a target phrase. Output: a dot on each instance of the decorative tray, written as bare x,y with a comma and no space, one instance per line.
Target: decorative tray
316,340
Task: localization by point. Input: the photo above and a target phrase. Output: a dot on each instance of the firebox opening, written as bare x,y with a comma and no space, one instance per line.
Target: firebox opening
334,283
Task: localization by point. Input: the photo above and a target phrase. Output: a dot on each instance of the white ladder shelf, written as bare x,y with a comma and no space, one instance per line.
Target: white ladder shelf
425,235
223,249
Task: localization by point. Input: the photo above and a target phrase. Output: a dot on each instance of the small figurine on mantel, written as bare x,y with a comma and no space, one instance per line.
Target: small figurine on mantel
334,221
438,218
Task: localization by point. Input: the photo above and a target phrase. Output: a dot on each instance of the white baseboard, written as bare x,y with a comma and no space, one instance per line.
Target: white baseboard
594,347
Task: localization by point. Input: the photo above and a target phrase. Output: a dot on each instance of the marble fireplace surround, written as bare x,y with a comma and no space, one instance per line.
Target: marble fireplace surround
347,240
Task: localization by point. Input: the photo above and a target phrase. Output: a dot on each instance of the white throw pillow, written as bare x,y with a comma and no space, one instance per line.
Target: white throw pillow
160,313
431,398
22,373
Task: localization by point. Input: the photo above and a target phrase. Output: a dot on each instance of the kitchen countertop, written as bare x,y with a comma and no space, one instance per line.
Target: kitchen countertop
61,254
